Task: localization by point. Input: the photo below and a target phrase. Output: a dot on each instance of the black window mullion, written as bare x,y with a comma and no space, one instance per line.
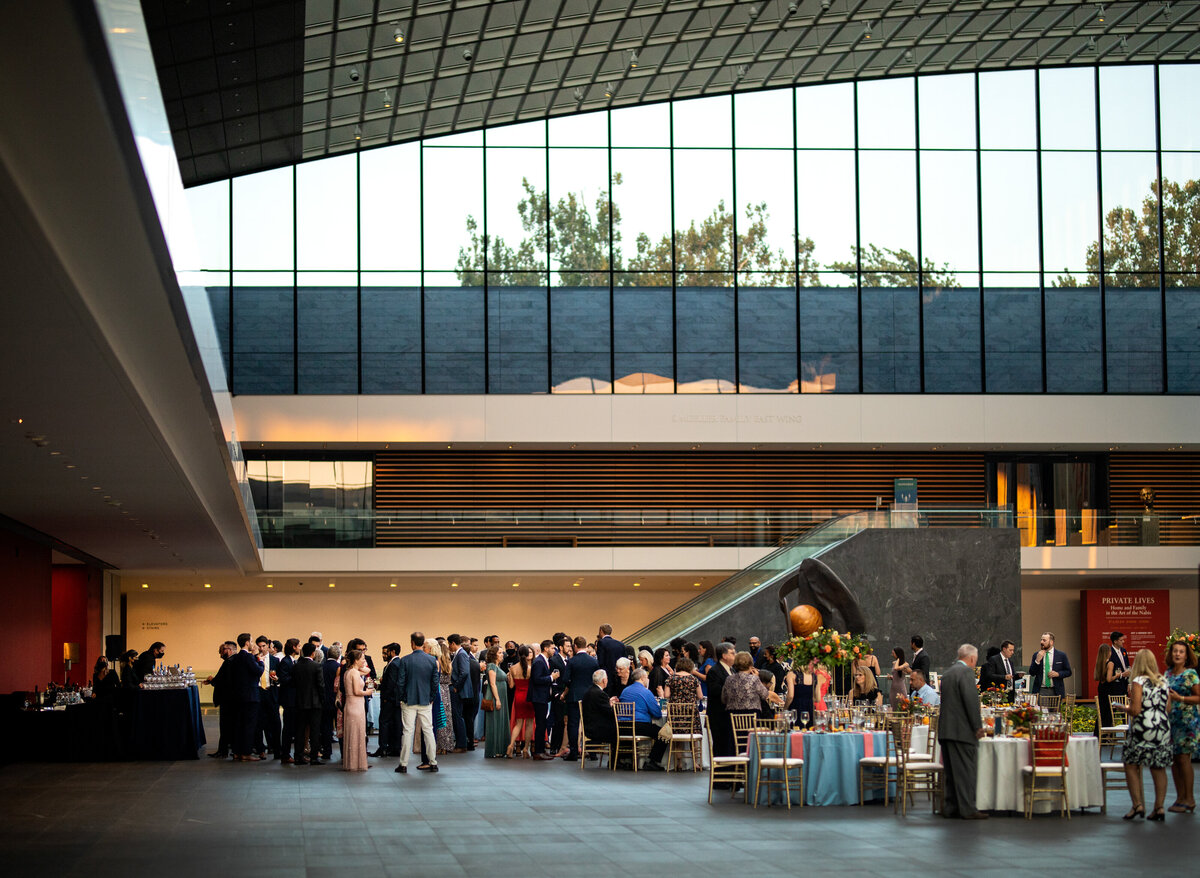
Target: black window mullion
1037,128
1100,233
1162,250
920,234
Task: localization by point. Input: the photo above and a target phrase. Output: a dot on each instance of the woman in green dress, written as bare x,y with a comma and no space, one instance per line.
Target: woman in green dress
495,722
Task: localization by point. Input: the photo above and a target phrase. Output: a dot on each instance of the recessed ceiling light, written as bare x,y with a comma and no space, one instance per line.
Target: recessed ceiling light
145,585
695,585
208,585
574,585
454,585
270,585
392,585
516,585
637,585
333,585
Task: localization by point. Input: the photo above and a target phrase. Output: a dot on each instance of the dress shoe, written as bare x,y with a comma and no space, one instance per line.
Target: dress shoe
425,766
978,815
301,762
569,758
459,750
317,762
401,769
377,754
286,760
651,765
544,757
1157,814
433,769
218,755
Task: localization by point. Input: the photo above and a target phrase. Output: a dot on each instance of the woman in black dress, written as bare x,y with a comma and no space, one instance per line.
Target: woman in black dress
799,689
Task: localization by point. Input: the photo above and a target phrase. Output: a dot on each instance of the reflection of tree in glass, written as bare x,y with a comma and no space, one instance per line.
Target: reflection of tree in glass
1131,241
882,267
579,240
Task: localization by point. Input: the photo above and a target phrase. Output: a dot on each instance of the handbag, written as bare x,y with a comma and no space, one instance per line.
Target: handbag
488,704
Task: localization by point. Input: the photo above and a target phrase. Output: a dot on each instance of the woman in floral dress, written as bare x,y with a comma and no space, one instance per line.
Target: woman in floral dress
1149,738
1184,685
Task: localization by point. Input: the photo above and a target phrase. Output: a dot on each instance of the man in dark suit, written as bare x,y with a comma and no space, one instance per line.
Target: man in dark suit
959,729
287,699
718,716
920,660
608,650
464,697
417,681
558,695
998,671
223,700
267,730
329,672
309,680
245,685
1120,660
599,724
541,685
1049,668
577,681
389,703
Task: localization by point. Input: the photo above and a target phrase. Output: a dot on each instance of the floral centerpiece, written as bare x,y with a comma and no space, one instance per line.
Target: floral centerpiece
1023,716
1191,638
911,703
993,695
826,646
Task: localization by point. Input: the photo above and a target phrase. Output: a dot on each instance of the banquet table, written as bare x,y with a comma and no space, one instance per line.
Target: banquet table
167,724
1000,785
830,766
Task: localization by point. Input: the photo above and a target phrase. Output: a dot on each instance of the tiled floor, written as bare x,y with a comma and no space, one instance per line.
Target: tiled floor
512,818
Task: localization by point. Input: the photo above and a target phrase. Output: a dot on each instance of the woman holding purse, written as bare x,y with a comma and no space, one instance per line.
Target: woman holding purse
495,718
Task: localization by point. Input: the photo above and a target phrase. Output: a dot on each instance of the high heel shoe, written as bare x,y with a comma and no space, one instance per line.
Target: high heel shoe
1181,808
1157,815
1135,811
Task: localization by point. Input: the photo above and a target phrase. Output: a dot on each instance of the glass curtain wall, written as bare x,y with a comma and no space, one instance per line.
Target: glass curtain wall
1019,231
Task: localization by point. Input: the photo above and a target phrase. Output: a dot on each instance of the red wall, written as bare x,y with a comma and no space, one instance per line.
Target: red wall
75,618
25,598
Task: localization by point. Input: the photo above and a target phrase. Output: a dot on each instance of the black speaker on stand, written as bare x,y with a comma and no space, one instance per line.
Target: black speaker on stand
114,646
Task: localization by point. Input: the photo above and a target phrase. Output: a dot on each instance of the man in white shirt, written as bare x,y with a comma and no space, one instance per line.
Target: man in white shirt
920,687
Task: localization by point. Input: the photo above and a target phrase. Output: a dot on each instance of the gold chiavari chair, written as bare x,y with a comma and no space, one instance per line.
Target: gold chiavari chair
774,760
1046,777
628,740
732,770
685,740
587,746
1111,736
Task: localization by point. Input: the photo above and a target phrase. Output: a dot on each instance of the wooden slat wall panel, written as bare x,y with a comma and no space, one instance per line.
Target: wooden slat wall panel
1175,478
671,479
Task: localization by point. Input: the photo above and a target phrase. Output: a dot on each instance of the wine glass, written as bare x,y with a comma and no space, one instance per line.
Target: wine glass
804,719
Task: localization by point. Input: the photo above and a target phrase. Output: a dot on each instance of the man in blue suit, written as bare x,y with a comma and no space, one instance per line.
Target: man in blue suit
245,677
464,698
577,681
608,650
541,684
417,681
1049,668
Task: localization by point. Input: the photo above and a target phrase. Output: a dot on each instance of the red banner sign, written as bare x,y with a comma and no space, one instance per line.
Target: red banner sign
1143,616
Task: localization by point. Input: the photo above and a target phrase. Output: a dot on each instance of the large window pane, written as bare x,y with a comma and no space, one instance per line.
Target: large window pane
389,199
209,208
262,221
767,333
517,360
1010,211
648,125
642,195
454,328
579,216
516,216
765,210
1178,86
642,334
1007,110
326,207
1133,333
1073,360
704,216
1068,108
1012,305
524,134
764,118
951,321
949,210
1130,212
1069,211
1183,341
327,333
829,337
888,204
263,336
453,211
947,116
885,114
828,212
703,122
891,339
580,340
1181,211
585,129
704,338
825,116
391,333
1127,108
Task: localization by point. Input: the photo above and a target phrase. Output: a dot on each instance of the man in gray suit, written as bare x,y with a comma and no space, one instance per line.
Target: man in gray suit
418,679
959,729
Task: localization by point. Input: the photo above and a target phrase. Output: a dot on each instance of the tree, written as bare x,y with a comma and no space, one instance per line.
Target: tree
882,267
1131,241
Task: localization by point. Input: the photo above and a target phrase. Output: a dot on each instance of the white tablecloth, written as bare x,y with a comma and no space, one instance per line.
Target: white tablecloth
1001,783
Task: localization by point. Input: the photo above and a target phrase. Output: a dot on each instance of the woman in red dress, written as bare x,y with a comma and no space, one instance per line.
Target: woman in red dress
522,710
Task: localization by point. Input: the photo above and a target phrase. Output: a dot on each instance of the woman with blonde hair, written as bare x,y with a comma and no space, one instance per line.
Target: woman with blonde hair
1149,738
443,731
865,689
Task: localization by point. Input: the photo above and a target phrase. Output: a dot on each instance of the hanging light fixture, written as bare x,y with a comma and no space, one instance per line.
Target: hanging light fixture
608,90
357,133
867,31
633,60
387,99
1100,12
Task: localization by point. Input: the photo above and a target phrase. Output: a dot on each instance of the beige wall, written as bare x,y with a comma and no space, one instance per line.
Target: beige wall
193,625
1060,610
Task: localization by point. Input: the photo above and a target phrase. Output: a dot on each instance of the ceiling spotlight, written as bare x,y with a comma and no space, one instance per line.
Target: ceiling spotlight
392,585
793,8
454,585
1100,12
398,35
357,133
467,54
867,31
270,585
354,74
753,12
387,99
333,585
578,94
633,60
637,585
908,55
145,585
608,90
1124,43
208,585
516,585
1091,44
825,5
